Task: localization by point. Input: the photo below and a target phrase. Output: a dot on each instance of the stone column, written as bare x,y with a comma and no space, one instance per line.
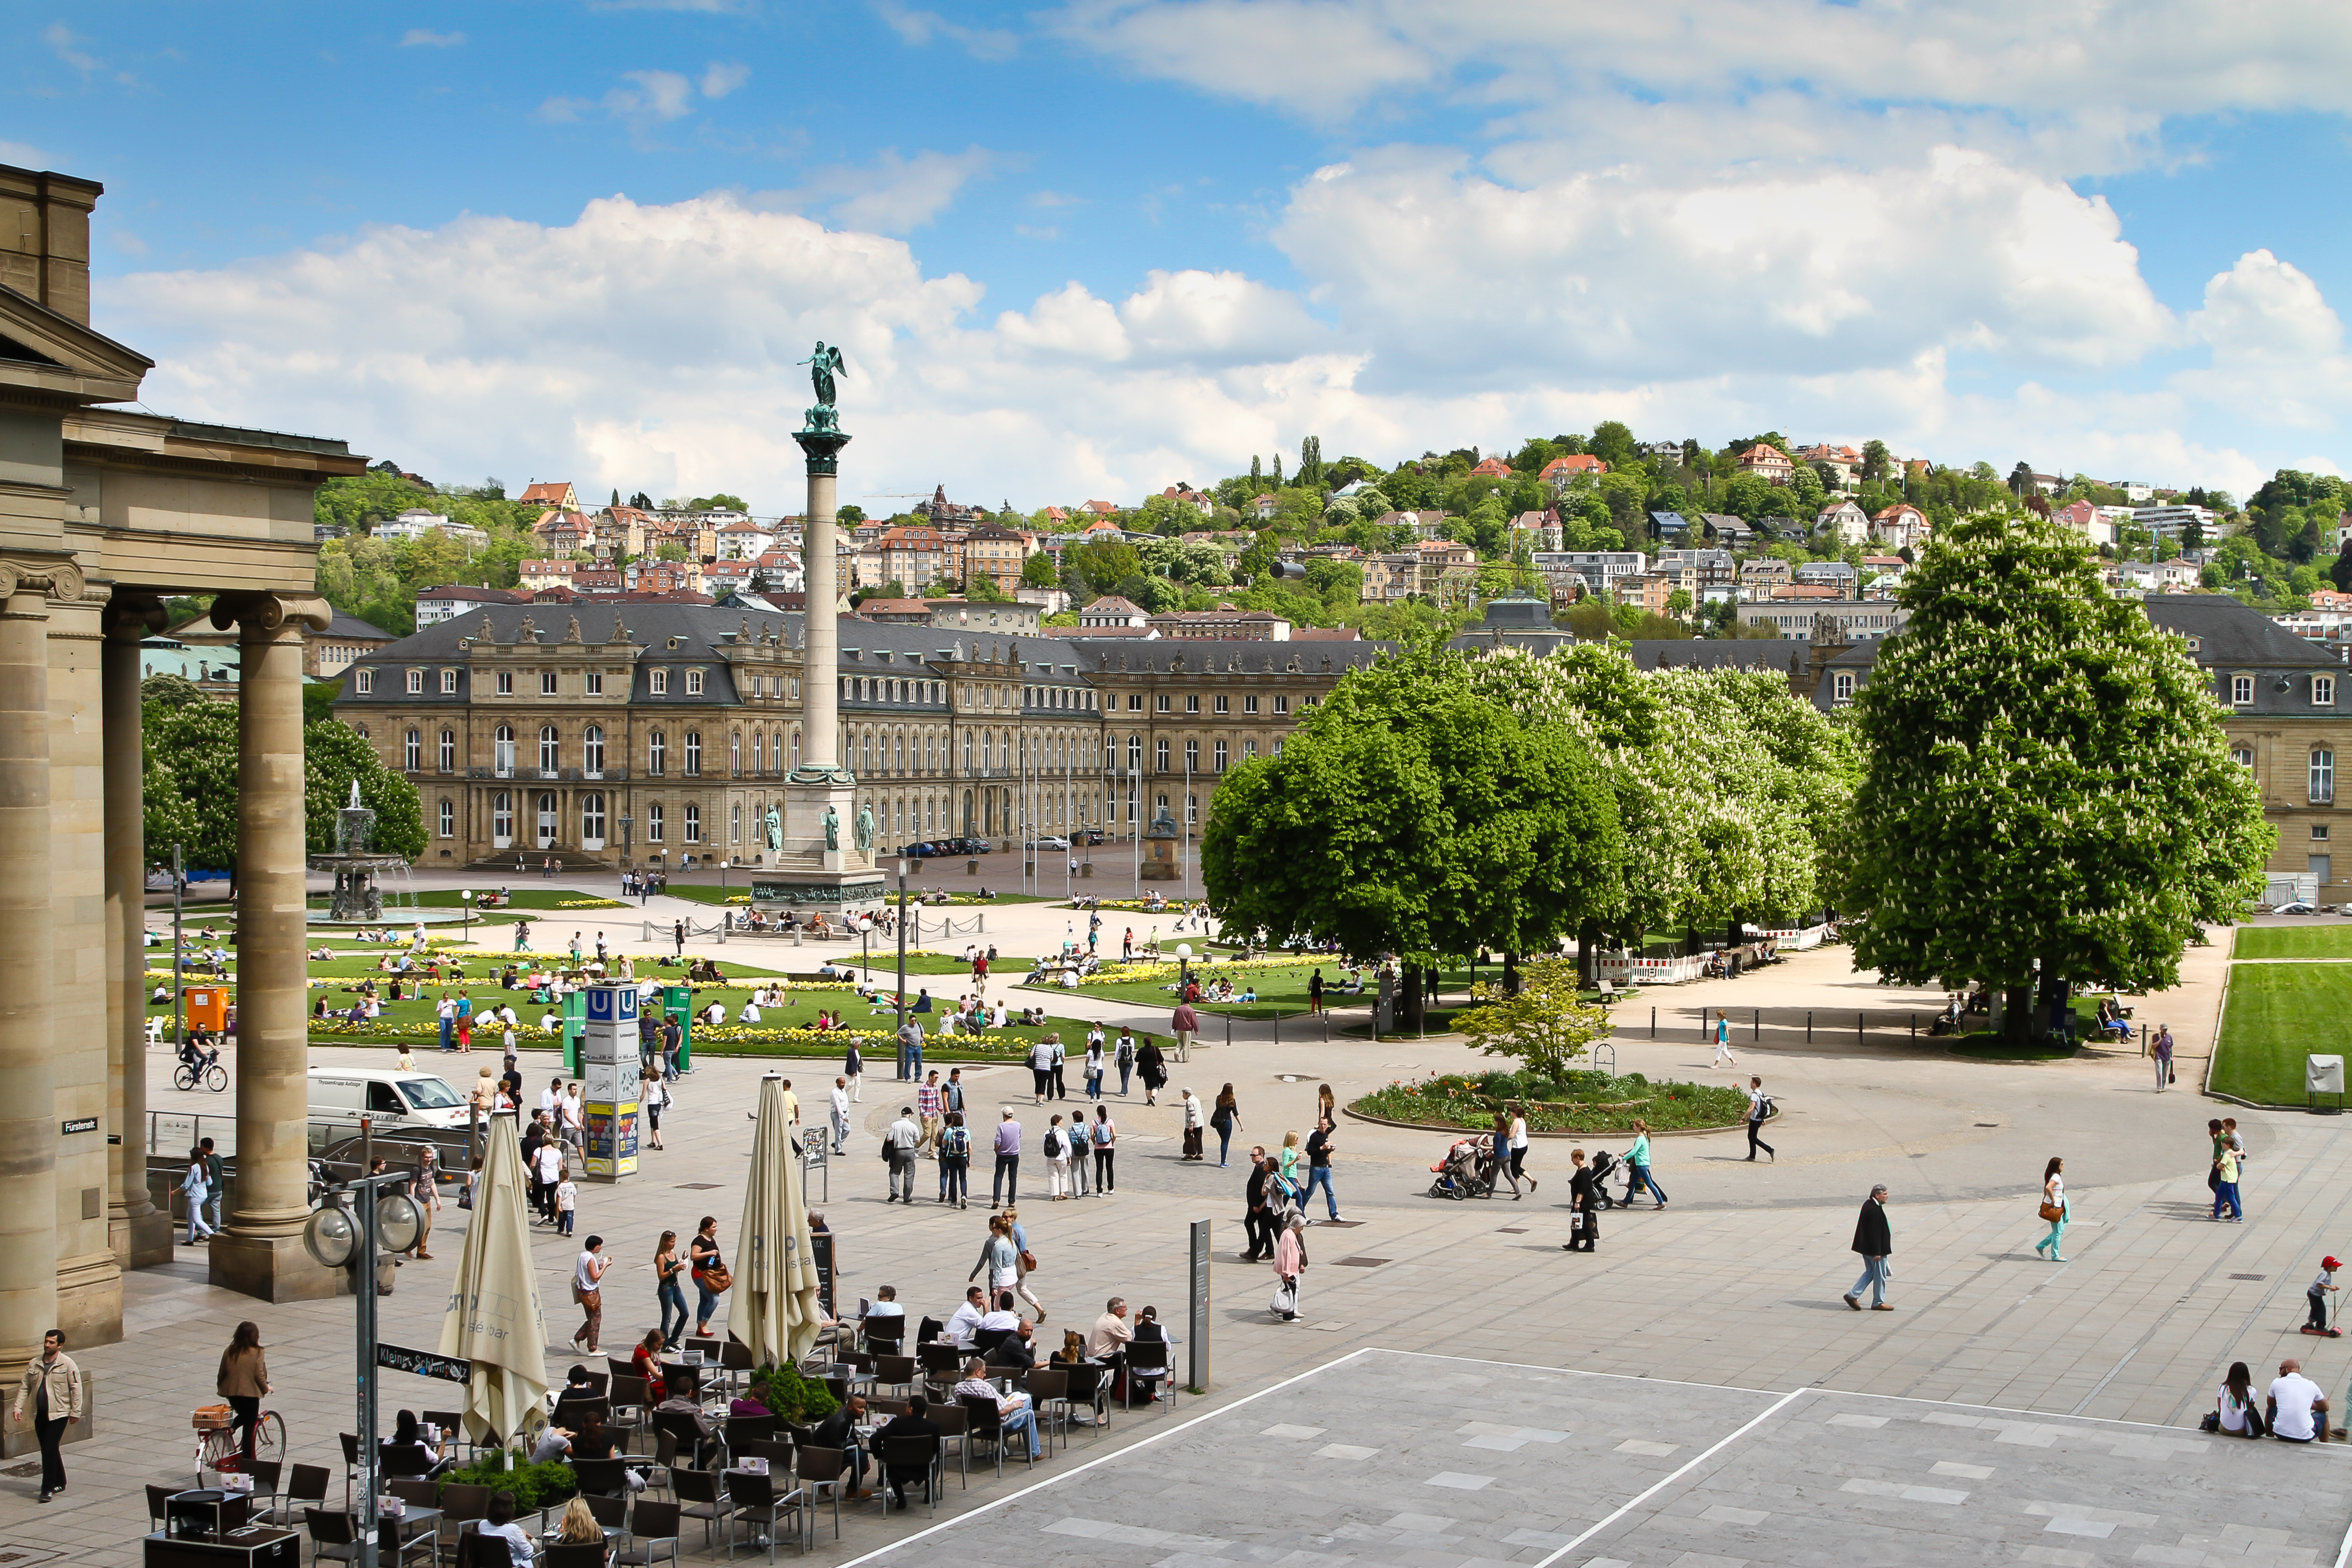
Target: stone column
29,1133
259,1251
141,1234
821,692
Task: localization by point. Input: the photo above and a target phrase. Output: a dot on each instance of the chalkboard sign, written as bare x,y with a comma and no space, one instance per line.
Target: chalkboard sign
424,1363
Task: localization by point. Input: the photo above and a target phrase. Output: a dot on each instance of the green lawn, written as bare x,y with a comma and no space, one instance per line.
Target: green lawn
1281,992
2294,942
2278,1014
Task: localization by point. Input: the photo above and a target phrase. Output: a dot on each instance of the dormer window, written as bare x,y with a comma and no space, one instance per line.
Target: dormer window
2241,691
2323,690
657,682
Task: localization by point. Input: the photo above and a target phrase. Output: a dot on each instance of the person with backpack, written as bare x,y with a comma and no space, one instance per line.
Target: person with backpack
1760,1109
1094,1063
1124,1057
1056,1149
1106,1141
955,1160
1081,1146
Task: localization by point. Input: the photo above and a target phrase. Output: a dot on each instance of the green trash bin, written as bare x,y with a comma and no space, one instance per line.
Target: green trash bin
678,1002
575,1028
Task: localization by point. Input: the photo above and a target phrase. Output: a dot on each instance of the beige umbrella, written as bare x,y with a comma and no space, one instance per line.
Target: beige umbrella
493,1317
775,1312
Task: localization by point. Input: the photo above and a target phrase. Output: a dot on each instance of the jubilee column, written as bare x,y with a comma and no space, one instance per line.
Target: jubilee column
827,857
259,1250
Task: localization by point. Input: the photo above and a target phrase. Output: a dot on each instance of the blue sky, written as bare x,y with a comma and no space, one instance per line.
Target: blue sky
1095,250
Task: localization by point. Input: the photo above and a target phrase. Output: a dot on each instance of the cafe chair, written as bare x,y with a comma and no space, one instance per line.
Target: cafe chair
334,1536
1089,1385
1146,1364
653,1536
981,1421
701,1494
948,1416
351,1465
612,1512
754,1500
895,1371
601,1477
1049,1397
476,1550
572,1554
824,1476
158,1503
931,1329
885,1335
414,1491
907,1454
742,1429
453,1427
305,1484
775,1450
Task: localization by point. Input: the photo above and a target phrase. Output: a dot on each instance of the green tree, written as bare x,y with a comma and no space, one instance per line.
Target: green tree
1102,566
982,589
724,502
1612,443
1411,816
189,785
1038,571
1545,1025
2048,781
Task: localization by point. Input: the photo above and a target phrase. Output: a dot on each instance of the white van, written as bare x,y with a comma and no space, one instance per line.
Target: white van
394,1102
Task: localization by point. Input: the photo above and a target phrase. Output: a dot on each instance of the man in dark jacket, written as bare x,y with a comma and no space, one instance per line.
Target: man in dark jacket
839,1430
1875,1239
916,1423
1584,1197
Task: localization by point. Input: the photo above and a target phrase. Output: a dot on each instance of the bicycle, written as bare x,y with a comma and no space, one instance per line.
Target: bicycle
212,1075
218,1448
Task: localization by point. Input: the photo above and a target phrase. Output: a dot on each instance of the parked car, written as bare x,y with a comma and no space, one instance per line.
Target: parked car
2297,908
1090,836
1047,842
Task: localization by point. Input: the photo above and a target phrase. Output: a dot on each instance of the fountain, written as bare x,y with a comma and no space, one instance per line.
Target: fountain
359,894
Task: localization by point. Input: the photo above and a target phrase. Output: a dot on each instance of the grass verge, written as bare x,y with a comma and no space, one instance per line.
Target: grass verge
1587,1103
2278,1014
2294,942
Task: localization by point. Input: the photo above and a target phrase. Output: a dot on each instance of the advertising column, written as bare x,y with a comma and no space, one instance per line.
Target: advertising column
609,1065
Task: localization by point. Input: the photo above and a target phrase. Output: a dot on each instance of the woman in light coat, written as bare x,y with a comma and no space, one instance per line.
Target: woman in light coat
198,1189
1290,1260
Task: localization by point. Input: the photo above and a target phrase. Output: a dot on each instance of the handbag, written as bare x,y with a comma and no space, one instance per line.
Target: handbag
2053,1213
1285,1300
1028,1261
716,1278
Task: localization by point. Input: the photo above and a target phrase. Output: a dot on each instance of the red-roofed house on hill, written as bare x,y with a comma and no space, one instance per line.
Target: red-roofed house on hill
1100,508
557,493
1559,470
1202,504
1900,526
562,533
1768,462
1491,469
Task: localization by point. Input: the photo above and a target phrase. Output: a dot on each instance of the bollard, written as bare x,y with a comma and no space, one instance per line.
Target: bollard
1808,1028
1756,1027
1653,1023
1229,1028
1915,1029
1277,1029
2143,1040
1857,1028
1702,1025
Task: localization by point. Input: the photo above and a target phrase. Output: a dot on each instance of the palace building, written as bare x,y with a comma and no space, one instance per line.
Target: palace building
661,735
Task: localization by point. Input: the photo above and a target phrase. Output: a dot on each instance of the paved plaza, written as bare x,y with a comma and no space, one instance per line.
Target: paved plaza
1687,1324
1386,1460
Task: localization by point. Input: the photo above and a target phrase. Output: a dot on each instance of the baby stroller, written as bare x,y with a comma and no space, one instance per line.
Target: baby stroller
1466,1172
1605,1165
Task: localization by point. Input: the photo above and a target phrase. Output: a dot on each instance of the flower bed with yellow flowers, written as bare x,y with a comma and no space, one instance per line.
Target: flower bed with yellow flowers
1147,972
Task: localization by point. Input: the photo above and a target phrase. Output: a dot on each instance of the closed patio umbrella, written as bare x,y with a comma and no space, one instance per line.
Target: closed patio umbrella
775,1313
493,1317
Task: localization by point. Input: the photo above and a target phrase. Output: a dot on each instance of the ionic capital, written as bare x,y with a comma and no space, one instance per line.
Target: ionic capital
131,617
57,580
264,614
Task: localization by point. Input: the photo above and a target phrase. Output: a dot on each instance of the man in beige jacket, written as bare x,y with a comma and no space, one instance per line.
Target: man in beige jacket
50,1399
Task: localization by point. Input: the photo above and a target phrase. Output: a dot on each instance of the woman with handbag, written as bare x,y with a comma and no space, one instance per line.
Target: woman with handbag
2053,1208
711,1275
668,1293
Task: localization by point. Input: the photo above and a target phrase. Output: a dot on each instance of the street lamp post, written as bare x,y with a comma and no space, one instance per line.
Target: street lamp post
904,866
466,898
865,947
627,823
1183,968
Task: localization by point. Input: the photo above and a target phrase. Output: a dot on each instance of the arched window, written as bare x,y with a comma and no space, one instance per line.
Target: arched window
547,822
1191,756
1159,755
412,752
694,753
759,752
592,752
1134,760
448,754
657,752
502,820
448,819
796,748
735,752
502,752
2323,776
591,821
551,752
735,823
693,824
654,823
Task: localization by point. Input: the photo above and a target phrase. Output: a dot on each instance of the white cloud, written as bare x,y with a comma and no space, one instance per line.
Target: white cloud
62,39
425,38
718,80
890,196
2278,346
920,27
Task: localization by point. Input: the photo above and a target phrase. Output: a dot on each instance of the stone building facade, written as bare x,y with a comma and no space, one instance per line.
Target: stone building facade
661,735
106,511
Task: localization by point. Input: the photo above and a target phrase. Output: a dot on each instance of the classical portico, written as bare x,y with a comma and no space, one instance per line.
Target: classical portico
104,513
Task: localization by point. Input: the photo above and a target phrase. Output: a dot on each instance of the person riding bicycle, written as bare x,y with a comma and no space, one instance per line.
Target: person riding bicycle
194,1054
